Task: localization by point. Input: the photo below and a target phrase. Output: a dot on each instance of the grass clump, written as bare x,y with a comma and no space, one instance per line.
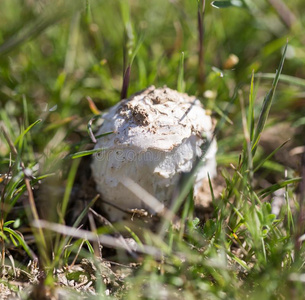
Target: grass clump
55,55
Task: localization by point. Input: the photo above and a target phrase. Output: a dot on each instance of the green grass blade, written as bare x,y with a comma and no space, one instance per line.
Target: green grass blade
211,189
261,163
63,241
250,117
271,189
201,48
70,181
221,113
136,48
180,81
85,153
134,236
241,262
71,52
228,3
20,240
24,132
88,12
284,78
90,247
267,105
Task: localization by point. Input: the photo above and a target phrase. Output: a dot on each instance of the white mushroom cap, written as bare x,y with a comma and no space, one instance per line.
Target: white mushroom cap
157,135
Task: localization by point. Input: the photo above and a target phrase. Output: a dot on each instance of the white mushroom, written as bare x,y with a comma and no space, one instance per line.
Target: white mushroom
157,135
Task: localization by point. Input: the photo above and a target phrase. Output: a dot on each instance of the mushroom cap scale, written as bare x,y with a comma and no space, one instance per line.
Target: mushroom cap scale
161,124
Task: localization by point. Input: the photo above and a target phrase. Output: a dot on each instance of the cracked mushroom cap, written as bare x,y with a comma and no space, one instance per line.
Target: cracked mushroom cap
157,135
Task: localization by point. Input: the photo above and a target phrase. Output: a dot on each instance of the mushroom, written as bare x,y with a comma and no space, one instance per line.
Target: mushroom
157,134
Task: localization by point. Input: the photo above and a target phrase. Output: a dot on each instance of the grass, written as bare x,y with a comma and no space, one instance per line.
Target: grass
54,55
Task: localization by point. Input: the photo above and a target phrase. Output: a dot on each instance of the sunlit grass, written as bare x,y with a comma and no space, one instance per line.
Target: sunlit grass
54,55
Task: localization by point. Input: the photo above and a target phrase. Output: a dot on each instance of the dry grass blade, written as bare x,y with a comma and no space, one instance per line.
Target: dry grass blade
96,245
8,139
149,200
104,221
284,12
125,84
105,240
93,107
89,129
90,132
